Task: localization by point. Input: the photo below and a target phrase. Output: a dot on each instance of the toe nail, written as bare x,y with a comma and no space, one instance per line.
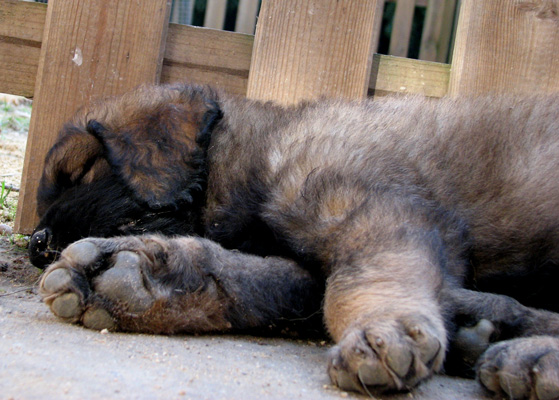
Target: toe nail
373,375
430,350
488,379
98,319
345,381
547,390
67,306
399,362
514,386
56,280
415,331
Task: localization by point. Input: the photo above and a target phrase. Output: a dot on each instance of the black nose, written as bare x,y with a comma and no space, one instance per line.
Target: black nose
40,240
39,246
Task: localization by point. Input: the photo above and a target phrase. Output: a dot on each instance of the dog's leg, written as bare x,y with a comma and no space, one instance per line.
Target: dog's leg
524,364
384,252
162,285
384,259
389,331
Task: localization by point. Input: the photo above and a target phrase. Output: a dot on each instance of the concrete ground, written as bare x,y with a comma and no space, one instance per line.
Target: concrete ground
43,358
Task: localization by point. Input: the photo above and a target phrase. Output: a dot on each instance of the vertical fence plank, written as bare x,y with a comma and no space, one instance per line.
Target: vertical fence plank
246,16
215,14
21,32
378,26
90,48
506,46
308,48
446,34
181,11
401,28
437,30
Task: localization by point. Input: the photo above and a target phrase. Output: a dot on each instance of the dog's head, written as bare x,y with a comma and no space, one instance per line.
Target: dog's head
130,165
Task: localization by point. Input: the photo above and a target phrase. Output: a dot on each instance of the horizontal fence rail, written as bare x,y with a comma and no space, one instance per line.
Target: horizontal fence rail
201,55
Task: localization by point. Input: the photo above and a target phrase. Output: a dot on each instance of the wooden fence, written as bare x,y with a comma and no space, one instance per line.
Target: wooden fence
436,26
77,50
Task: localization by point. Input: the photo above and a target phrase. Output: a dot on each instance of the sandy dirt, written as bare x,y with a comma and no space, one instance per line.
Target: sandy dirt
44,358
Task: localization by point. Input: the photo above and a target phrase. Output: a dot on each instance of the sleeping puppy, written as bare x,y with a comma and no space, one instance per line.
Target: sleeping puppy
393,219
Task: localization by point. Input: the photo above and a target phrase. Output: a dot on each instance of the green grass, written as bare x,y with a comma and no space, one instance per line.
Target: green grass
4,192
20,242
8,207
14,118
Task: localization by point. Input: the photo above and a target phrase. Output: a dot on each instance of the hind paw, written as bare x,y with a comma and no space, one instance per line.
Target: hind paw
526,368
388,355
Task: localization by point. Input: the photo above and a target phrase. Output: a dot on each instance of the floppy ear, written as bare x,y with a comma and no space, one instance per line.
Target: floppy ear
160,153
77,157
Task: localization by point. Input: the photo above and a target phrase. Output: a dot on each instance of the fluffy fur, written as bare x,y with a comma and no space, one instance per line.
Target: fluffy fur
396,213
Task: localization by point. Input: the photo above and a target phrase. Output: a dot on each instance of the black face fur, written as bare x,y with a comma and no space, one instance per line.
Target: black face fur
110,210
133,173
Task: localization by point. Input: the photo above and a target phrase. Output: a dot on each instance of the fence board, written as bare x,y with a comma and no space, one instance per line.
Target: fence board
207,56
437,30
215,14
446,35
401,28
21,32
505,46
201,55
89,49
401,75
307,49
246,16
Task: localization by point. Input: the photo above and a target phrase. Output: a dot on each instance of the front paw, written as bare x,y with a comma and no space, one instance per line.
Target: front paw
82,285
388,355
526,368
66,290
128,284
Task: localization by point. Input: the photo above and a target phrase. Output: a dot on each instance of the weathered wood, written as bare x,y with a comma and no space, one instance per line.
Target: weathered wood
307,49
506,46
437,30
377,28
446,34
207,56
402,75
246,16
419,3
401,28
21,31
212,57
215,14
181,12
90,49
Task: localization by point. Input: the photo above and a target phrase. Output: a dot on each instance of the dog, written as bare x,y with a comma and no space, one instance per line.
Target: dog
416,229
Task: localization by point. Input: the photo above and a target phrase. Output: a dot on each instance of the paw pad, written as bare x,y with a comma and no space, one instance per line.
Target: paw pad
526,368
98,319
56,280
67,306
82,253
